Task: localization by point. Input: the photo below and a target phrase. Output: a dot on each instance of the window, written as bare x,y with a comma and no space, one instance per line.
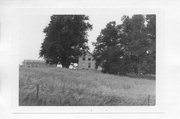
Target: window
89,65
89,59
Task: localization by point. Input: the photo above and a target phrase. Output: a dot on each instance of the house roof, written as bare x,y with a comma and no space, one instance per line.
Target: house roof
89,52
39,61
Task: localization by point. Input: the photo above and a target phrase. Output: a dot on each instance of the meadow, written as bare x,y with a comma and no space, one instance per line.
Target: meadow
69,87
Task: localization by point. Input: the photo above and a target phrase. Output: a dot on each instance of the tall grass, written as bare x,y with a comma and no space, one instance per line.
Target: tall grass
65,87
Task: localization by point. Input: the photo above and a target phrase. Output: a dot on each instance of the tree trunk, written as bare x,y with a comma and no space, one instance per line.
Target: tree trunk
65,62
135,69
65,65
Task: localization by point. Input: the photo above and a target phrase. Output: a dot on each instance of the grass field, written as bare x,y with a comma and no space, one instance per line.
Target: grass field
65,87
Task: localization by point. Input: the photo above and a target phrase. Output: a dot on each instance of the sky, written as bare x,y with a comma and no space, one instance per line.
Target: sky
30,29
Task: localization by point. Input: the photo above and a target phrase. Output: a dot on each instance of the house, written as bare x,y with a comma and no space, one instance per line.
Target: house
86,61
35,63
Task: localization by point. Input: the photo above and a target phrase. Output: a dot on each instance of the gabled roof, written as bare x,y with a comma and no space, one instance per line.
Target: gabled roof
39,61
89,52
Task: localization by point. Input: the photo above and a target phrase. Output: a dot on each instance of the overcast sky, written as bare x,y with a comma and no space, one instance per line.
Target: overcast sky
30,29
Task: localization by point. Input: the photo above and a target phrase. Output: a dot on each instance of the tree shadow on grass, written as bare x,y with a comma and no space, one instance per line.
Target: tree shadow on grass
141,76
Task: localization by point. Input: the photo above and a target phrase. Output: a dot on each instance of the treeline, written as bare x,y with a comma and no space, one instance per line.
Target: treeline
129,47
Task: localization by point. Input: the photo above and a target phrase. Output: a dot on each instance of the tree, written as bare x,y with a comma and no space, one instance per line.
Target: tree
151,34
135,40
128,47
108,51
65,39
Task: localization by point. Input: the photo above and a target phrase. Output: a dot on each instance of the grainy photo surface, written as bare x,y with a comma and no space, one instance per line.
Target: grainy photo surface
87,60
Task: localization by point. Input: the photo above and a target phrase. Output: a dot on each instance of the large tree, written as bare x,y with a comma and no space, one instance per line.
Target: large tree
65,39
134,36
108,50
128,47
150,58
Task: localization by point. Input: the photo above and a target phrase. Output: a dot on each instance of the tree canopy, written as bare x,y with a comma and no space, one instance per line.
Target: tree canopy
127,47
65,39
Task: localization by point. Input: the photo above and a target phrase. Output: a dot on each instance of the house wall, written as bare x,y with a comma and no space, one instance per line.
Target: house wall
34,63
83,64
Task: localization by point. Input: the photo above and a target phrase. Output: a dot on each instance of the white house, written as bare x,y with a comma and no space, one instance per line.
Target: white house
86,61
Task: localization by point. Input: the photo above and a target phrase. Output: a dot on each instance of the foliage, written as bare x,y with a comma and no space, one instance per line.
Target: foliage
65,39
127,47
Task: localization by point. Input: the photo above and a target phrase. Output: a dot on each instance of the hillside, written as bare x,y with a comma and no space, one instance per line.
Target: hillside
65,87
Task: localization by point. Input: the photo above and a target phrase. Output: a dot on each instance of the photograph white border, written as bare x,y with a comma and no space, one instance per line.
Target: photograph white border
83,109
9,94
